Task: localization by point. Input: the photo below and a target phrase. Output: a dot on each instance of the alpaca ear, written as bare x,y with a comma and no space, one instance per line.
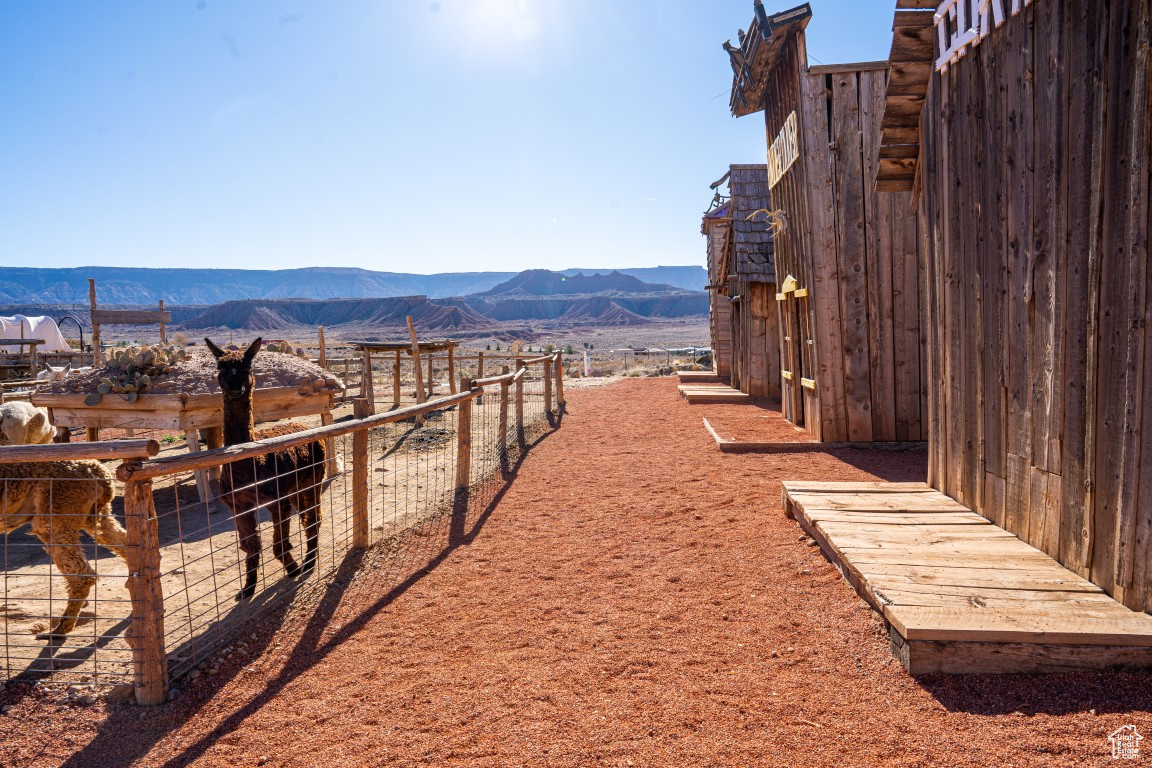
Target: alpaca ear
253,348
38,424
216,351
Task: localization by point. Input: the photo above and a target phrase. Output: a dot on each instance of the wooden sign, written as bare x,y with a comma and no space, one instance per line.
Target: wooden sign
963,24
784,151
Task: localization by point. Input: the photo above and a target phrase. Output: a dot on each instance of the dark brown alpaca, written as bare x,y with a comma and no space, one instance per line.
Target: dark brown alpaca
278,480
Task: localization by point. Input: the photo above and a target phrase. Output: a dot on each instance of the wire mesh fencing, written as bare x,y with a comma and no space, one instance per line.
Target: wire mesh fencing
193,572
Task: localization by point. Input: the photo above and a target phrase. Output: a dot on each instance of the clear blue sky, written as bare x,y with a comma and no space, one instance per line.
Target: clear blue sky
400,135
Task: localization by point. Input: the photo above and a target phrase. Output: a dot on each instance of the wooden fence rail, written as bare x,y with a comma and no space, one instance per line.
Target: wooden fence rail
149,661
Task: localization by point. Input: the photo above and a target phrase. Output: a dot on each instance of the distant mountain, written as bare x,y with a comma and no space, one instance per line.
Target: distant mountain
137,286
276,300
685,278
542,282
272,314
141,286
602,299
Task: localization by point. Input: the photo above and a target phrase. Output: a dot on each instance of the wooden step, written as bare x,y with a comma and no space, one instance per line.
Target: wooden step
712,393
698,377
959,594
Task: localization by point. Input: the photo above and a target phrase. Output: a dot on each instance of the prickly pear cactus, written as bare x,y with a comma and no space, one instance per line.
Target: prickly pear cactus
132,369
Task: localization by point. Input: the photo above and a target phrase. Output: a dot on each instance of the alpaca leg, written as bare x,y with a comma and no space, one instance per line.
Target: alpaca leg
310,516
109,533
68,556
249,537
281,541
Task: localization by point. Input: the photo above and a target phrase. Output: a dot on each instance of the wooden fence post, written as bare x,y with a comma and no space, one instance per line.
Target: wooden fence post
360,460
396,382
463,465
548,388
146,636
97,354
416,369
323,350
502,445
452,370
560,401
520,405
366,390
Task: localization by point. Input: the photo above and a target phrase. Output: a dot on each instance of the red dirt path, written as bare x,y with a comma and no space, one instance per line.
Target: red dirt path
635,598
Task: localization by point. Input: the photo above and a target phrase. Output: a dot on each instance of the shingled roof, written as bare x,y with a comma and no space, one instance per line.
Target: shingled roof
752,239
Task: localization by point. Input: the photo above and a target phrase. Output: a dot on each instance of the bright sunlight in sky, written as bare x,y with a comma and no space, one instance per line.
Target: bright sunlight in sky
399,135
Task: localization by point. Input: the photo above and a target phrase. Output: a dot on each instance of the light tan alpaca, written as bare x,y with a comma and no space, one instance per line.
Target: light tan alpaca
60,499
22,423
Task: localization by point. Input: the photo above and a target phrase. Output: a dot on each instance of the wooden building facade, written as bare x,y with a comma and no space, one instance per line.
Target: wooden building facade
717,229
1033,184
848,297
742,284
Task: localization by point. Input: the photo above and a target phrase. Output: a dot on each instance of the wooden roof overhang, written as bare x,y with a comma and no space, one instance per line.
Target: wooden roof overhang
758,51
909,69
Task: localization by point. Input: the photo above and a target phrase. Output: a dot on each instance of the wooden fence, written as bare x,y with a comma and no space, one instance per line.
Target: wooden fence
488,423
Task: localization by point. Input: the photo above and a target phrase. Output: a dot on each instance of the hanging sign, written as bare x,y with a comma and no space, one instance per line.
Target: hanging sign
962,24
783,151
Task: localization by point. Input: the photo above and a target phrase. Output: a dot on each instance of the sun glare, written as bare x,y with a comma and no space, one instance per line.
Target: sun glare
508,25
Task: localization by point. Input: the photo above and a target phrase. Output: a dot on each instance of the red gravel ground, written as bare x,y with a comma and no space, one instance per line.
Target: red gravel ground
756,422
634,598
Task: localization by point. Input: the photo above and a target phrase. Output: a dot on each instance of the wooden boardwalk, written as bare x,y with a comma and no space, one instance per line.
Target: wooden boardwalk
712,393
698,377
959,594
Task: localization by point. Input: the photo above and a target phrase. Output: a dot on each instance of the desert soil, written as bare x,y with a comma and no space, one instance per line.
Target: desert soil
634,597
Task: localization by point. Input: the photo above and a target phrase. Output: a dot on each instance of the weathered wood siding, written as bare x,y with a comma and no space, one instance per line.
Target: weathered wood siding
757,347
741,271
1034,213
719,307
857,332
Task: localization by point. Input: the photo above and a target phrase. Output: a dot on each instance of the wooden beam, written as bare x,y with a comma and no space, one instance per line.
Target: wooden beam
900,134
912,18
899,151
861,66
102,451
130,316
902,184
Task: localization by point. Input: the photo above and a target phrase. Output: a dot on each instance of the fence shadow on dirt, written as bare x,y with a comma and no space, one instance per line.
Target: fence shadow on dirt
395,565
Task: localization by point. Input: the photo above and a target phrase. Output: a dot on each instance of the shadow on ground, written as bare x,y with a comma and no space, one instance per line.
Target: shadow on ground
404,561
1050,694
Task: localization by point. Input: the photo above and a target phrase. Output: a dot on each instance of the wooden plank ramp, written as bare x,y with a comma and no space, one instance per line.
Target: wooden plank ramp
961,595
712,393
732,445
698,377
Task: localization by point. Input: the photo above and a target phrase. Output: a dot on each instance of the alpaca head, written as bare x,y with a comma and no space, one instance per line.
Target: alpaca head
235,370
21,423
